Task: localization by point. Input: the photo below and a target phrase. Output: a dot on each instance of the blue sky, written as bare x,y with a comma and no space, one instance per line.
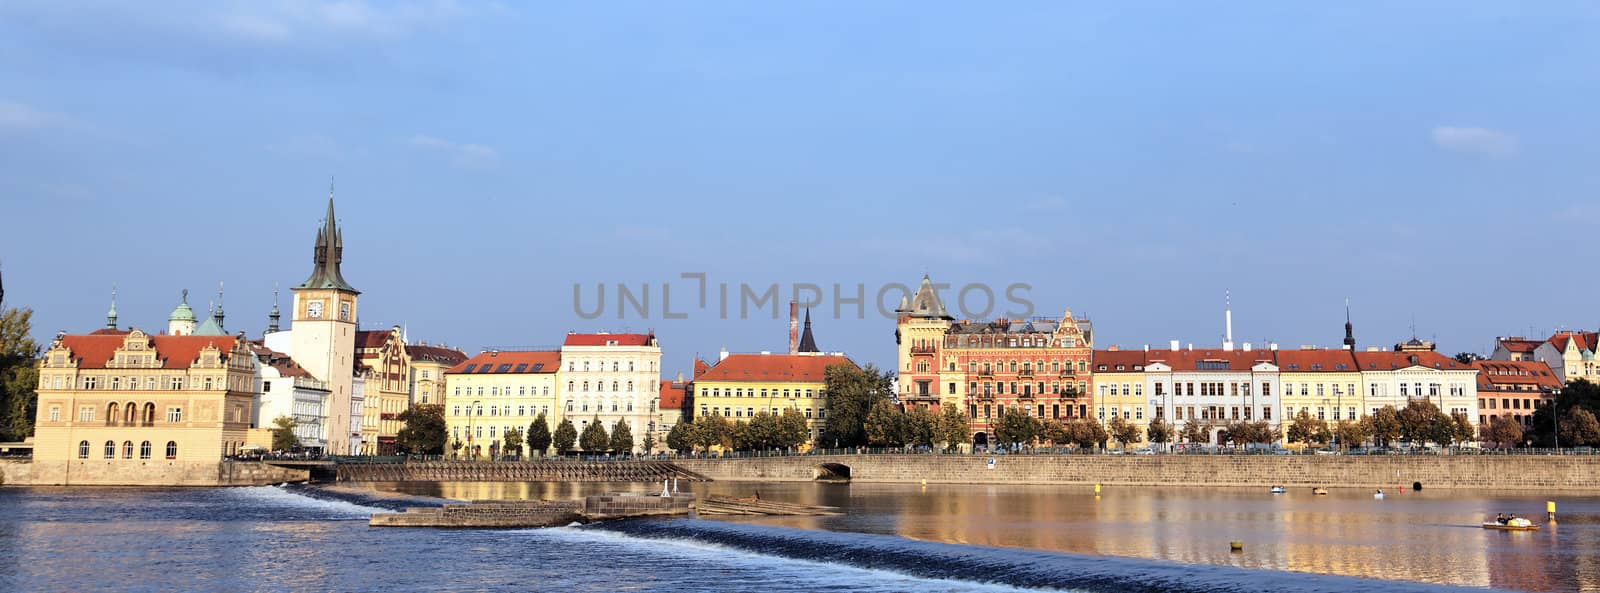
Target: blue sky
1433,160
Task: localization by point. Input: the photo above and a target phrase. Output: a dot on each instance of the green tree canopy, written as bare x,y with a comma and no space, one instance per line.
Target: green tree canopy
283,438
1504,432
1384,425
953,427
1577,394
919,426
424,431
539,435
1016,427
852,392
594,438
511,442
622,437
18,374
1087,433
565,437
1125,432
1580,429
1196,431
1307,430
712,430
1351,433
681,438
1422,422
1159,431
885,425
793,429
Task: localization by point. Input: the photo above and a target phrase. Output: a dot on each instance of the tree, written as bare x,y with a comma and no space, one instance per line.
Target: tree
622,437
1351,433
1579,428
918,426
1016,427
539,435
885,425
852,393
953,428
1384,425
1468,357
1504,431
1159,431
424,431
1307,430
455,447
680,438
712,430
1053,431
1462,425
566,436
283,438
793,429
19,376
1195,431
1577,394
1421,422
594,438
511,443
1123,431
1257,432
1086,433
763,432
649,444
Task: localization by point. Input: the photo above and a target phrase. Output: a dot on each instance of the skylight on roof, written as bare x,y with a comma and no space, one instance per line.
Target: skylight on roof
503,368
469,368
523,366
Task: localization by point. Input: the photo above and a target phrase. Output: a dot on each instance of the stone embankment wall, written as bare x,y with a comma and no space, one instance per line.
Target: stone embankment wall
485,514
1520,472
146,473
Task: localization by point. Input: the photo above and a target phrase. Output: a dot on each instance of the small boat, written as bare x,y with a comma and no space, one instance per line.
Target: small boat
1279,490
1517,524
1319,491
1378,495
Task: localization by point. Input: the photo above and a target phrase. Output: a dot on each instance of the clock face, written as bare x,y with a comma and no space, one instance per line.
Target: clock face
314,309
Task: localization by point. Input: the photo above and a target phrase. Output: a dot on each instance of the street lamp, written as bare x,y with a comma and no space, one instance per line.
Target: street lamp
471,417
1555,425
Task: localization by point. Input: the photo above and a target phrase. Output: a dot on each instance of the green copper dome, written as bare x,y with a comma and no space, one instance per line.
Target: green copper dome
183,312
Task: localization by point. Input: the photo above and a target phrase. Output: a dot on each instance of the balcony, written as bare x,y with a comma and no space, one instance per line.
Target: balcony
1066,373
922,350
986,374
1025,373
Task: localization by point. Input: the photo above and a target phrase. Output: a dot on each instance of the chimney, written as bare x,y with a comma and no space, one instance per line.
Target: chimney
1246,346
1113,348
1175,347
794,327
1191,346
1146,347
680,376
1273,346
724,355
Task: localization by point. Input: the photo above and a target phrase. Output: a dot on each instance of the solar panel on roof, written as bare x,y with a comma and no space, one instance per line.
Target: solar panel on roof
488,368
523,366
469,368
504,368
537,366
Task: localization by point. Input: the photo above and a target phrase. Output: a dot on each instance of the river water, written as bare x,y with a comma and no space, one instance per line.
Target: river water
892,538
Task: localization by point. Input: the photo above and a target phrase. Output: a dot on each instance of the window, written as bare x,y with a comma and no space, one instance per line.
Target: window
144,450
111,450
83,449
172,449
86,414
174,414
127,449
55,413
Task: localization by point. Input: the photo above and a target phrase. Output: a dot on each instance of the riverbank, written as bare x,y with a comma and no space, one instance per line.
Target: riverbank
122,472
1512,472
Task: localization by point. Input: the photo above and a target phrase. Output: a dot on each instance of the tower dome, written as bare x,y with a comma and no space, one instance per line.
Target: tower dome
181,322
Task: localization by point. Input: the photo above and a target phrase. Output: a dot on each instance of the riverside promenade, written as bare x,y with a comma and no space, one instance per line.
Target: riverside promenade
1537,473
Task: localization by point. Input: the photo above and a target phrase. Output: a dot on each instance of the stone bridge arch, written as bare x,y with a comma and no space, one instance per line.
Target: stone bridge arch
832,472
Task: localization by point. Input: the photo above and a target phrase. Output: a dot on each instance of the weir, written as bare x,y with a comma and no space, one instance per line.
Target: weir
517,471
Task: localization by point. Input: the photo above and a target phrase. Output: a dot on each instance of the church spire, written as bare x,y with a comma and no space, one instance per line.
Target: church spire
219,314
1349,330
111,316
274,316
808,343
327,254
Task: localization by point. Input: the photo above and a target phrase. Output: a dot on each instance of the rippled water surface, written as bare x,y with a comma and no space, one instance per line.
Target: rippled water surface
893,538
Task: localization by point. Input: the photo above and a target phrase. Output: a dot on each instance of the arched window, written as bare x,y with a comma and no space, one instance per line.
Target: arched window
111,449
83,449
613,366
127,449
614,386
149,413
131,412
111,414
172,449
570,385
144,450
630,386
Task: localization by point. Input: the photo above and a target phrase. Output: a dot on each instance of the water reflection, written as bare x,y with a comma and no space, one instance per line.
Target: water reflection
1430,536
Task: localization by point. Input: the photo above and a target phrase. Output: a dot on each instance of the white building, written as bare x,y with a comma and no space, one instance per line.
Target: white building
612,377
286,389
1393,378
1214,386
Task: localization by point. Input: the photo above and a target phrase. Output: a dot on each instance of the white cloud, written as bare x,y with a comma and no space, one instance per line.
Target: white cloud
1478,141
466,156
14,115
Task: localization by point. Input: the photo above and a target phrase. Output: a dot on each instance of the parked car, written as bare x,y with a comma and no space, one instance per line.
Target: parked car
1144,451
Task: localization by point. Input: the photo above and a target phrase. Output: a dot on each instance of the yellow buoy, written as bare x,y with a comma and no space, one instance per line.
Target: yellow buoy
924,482
1550,510
1236,546
1096,488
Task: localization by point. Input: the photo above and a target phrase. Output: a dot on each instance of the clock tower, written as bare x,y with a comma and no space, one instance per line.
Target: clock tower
324,333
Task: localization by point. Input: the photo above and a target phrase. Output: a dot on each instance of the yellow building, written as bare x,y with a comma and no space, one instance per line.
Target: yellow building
740,385
1323,383
1119,390
497,391
384,363
428,365
126,407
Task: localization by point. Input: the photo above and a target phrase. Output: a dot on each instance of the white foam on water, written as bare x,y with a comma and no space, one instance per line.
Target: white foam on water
280,496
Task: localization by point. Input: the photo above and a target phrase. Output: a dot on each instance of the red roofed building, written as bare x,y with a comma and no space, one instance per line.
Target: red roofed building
1212,386
1513,389
1396,378
133,408
674,407
740,386
497,391
608,377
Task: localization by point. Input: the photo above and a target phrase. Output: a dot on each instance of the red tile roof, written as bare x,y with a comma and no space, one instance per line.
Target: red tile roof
508,362
1189,360
1584,340
93,351
1389,360
1520,344
798,368
1320,360
440,354
1498,375
373,339
606,339
700,368
1106,361
672,394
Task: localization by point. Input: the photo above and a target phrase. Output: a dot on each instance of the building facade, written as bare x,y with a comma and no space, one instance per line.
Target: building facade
1213,387
610,377
497,391
138,401
1040,365
322,338
1322,382
428,365
739,386
672,407
1398,377
1120,389
385,365
1513,389
286,389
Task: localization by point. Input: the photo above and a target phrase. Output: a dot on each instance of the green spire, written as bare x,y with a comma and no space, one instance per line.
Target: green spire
111,316
183,312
